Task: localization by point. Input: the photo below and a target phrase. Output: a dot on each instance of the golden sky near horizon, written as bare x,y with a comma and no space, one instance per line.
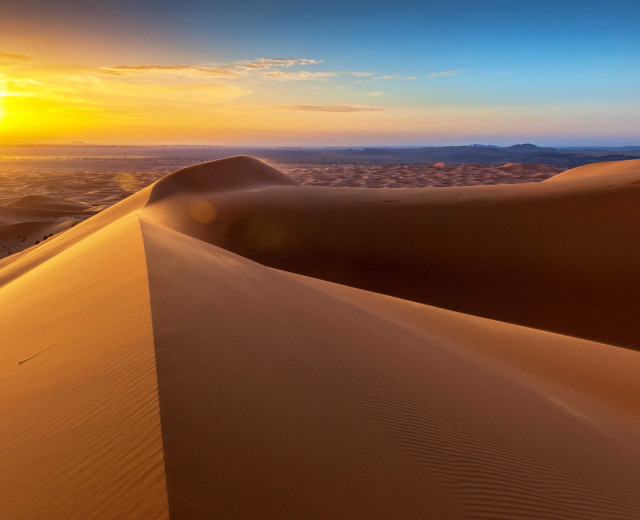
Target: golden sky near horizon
168,80
61,102
258,101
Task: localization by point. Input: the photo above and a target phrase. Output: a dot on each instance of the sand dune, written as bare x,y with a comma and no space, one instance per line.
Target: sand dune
67,188
80,434
557,255
603,169
30,219
51,203
150,371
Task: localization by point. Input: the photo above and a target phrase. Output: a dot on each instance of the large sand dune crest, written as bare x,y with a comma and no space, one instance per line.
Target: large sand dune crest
556,256
149,371
222,175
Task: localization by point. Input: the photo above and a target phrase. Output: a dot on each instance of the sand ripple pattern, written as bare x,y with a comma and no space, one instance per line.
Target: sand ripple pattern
487,436
416,176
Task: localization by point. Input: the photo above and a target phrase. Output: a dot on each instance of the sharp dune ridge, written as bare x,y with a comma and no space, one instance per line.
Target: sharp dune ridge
227,343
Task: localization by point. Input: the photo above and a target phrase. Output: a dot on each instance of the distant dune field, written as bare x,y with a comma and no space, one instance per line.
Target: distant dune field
229,343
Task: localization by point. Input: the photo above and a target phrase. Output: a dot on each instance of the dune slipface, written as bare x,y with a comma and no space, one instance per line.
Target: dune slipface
186,354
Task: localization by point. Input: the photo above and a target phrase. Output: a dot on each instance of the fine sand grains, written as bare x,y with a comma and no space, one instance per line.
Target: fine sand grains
80,429
185,353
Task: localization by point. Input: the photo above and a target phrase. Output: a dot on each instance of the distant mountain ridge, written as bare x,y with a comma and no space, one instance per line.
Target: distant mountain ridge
527,148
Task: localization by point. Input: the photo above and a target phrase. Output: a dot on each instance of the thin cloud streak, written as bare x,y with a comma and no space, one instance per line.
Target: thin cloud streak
186,70
331,108
371,77
269,67
14,57
447,73
266,63
297,76
261,68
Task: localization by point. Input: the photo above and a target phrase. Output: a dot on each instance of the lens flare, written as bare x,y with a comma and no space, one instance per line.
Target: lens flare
202,211
127,182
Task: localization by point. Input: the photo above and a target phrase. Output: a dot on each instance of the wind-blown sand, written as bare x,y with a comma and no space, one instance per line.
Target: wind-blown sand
182,354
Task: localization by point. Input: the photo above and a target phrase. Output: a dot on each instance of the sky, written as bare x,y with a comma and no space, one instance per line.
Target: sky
326,73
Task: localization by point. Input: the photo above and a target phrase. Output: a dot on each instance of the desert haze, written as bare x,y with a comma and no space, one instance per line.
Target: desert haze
229,342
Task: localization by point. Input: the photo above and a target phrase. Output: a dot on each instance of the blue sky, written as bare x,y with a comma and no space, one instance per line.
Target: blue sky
568,69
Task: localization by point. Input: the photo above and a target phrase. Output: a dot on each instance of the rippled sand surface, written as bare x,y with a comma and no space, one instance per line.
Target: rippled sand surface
228,343
417,176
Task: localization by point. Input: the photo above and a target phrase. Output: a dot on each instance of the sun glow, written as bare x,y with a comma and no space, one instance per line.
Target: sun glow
265,101
2,105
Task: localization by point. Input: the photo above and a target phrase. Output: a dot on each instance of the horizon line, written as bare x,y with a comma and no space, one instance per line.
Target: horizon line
312,146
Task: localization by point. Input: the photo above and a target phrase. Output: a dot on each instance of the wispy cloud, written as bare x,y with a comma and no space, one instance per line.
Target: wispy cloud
8,56
277,69
267,63
375,93
331,108
282,75
9,61
361,74
184,70
447,73
373,77
260,67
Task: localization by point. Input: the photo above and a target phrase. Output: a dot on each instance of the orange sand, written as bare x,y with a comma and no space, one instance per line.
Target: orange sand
148,370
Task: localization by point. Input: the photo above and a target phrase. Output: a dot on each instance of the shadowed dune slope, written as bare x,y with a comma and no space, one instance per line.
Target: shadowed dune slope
325,401
559,256
146,373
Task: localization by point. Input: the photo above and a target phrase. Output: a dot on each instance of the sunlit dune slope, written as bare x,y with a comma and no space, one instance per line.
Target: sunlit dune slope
80,430
22,262
599,170
146,373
